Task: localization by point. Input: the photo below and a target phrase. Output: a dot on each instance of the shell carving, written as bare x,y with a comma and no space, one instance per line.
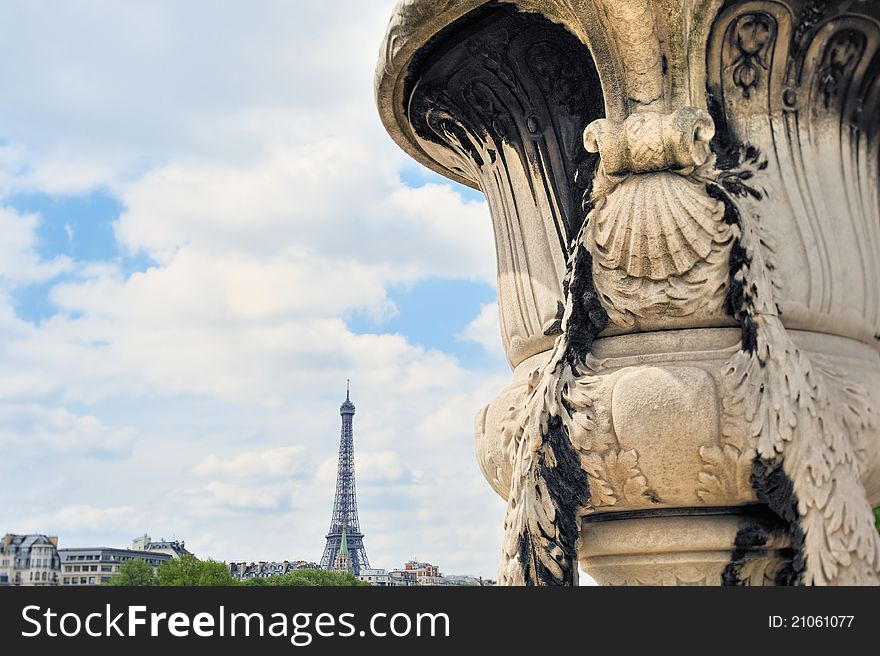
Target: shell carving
657,226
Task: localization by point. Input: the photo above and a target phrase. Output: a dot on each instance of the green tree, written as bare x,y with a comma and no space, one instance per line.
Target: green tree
189,570
134,572
256,582
315,577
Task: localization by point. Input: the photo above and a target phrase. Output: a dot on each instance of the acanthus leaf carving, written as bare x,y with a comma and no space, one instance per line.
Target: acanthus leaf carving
616,477
725,475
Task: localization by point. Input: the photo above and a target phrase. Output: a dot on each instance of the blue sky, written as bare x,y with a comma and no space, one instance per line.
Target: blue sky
78,226
431,312
206,231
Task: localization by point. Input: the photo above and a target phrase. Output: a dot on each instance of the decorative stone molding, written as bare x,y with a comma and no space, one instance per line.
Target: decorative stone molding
651,141
687,223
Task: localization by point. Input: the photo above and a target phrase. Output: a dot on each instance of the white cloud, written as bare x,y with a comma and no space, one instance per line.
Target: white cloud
84,517
329,205
283,462
485,330
246,497
385,467
37,431
191,81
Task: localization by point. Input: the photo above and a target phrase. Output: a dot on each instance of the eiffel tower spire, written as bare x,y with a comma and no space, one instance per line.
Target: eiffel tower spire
344,525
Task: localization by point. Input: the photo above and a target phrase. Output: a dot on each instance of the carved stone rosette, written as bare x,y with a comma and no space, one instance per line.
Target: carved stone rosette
687,226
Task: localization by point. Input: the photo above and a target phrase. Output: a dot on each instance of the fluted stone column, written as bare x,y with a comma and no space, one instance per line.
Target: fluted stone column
687,228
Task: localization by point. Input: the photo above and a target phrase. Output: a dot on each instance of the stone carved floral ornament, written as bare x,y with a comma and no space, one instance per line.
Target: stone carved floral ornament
753,37
804,431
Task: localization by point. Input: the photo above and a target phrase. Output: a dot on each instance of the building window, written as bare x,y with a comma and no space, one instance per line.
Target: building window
82,579
106,568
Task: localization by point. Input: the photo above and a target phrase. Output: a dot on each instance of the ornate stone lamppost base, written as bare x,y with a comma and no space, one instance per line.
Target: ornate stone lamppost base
687,223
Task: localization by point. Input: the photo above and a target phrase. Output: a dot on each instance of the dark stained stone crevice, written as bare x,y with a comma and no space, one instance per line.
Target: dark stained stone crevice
748,539
499,75
775,488
738,300
758,539
569,492
588,316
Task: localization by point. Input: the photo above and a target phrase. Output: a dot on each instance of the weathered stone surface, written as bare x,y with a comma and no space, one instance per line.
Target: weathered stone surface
687,223
667,415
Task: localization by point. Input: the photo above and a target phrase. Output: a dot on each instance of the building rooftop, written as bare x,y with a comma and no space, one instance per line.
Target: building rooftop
120,550
14,542
146,543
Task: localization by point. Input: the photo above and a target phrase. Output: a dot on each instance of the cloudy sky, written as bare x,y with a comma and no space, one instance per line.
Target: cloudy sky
204,230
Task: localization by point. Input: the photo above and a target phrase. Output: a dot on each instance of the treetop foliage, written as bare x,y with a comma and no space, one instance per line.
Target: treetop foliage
190,571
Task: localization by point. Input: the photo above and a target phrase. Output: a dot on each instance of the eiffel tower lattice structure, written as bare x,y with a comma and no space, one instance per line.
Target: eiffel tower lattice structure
345,514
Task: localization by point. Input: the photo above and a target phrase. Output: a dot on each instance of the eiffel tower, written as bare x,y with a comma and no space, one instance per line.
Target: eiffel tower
344,524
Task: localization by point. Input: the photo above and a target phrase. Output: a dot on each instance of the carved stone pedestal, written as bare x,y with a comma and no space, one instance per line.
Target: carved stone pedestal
687,549
687,223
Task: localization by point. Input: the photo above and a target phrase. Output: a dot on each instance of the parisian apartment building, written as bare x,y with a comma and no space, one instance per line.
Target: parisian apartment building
243,570
29,560
419,573
95,565
36,560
